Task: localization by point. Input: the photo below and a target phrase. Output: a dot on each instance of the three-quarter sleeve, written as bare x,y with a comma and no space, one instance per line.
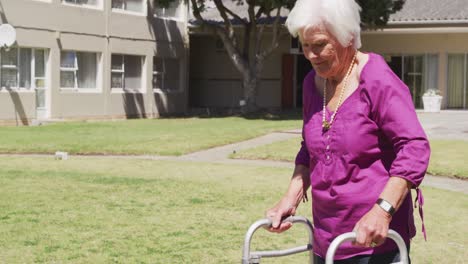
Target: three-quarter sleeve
303,157
393,111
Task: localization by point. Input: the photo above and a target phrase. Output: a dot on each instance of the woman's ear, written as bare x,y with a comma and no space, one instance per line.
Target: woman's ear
299,35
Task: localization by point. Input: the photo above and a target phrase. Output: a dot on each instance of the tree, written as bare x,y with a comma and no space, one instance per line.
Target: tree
247,55
375,13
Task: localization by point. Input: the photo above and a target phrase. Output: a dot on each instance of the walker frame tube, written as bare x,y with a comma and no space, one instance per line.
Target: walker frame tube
351,236
254,257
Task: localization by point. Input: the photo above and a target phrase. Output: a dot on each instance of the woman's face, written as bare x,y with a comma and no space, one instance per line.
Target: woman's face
323,51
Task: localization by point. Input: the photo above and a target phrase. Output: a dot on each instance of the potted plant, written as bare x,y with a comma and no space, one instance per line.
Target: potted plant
432,101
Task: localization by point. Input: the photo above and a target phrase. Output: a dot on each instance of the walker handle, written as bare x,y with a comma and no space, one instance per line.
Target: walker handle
254,257
351,236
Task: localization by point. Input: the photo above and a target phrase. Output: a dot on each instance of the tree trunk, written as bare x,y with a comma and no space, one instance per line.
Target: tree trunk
251,83
250,86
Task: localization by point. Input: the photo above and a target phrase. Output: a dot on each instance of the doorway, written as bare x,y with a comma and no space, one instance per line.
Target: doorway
39,68
303,67
418,72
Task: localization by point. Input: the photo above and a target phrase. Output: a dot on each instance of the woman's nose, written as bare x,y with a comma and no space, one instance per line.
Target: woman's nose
311,55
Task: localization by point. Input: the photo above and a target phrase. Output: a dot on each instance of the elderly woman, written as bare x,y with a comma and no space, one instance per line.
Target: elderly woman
363,147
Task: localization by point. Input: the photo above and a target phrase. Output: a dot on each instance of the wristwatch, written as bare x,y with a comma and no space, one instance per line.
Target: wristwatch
386,206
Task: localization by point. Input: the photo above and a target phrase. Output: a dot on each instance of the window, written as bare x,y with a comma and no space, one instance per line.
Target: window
78,70
81,2
166,74
219,46
418,72
457,81
129,5
39,68
40,78
84,3
174,10
296,46
126,72
22,68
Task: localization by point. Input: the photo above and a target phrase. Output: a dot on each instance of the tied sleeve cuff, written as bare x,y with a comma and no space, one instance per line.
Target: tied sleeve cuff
412,161
419,202
302,157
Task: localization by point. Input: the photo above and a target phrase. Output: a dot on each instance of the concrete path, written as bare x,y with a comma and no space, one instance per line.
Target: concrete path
222,153
448,124
443,125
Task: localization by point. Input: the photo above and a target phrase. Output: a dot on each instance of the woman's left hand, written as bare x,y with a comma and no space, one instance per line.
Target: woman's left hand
372,229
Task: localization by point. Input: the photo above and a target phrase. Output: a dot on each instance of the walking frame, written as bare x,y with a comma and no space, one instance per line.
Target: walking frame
254,257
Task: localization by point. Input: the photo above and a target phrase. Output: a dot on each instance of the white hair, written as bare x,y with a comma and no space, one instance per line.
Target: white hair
339,17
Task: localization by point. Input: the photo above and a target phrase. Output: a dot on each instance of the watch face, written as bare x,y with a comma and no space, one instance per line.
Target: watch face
386,206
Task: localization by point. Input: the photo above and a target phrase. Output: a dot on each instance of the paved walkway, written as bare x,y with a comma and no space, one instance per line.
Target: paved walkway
443,125
448,124
221,154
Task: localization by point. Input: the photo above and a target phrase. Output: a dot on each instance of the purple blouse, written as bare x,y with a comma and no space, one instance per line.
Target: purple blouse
376,134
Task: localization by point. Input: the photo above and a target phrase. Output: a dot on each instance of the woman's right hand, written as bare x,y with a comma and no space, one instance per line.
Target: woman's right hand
281,210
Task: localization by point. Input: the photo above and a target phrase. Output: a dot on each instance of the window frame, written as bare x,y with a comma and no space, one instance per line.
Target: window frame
465,80
12,67
122,72
295,46
424,73
130,12
33,78
180,18
99,5
162,74
97,89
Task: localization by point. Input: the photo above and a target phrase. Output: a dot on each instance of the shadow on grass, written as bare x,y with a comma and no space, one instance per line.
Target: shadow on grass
264,114
20,113
293,114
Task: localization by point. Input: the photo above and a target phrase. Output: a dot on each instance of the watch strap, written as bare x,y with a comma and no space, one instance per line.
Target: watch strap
386,206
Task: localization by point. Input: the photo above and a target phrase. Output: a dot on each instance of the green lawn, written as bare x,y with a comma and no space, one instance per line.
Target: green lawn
156,136
448,158
90,210
284,150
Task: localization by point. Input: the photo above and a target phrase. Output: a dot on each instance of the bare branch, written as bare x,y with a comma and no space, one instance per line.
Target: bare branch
276,23
229,43
226,34
275,38
251,11
234,15
227,21
234,54
258,41
196,12
247,32
259,12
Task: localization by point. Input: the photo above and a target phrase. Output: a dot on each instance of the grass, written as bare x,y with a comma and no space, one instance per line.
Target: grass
87,210
156,136
448,158
284,150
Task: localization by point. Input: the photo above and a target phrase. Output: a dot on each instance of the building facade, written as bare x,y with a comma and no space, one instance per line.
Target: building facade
93,59
425,43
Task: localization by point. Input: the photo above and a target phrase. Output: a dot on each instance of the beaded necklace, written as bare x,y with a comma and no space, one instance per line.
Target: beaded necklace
326,124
